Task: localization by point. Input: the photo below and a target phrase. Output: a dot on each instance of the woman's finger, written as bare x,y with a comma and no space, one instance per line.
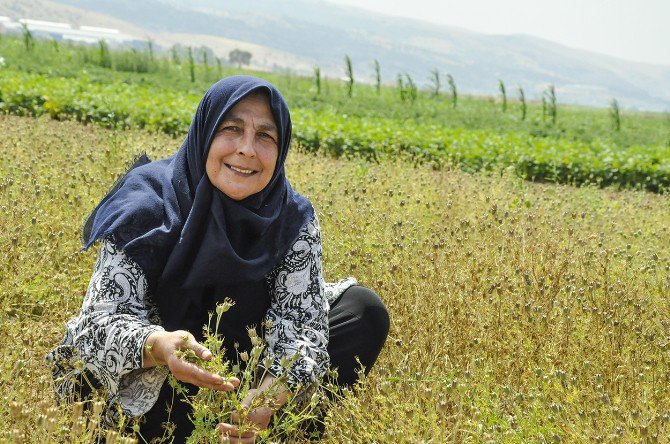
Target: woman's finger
236,435
200,350
192,374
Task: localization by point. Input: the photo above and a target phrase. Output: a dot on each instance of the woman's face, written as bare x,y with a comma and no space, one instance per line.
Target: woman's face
243,154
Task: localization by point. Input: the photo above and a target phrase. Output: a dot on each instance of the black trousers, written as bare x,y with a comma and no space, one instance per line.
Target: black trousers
359,324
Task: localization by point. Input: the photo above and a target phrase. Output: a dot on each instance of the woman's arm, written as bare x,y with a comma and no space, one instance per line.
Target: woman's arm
298,314
297,333
108,344
103,346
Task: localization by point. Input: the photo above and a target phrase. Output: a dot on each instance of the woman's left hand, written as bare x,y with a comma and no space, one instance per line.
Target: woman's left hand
245,428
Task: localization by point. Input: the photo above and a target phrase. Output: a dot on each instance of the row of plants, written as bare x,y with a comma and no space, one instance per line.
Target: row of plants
122,106
499,112
533,158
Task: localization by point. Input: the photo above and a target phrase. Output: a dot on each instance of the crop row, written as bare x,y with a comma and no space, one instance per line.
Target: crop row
120,105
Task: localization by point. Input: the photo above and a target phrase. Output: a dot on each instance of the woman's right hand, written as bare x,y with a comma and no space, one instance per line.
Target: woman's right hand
161,349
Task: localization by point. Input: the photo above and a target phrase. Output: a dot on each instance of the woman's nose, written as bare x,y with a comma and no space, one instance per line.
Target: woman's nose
246,146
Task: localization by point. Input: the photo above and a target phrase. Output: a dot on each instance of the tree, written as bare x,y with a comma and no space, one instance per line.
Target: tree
522,100
105,57
205,62
349,69
435,80
28,39
317,80
615,114
454,92
411,88
378,76
401,87
503,94
239,57
191,64
175,55
550,103
150,47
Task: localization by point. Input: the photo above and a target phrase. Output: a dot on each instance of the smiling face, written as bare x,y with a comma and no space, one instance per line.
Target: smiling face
244,152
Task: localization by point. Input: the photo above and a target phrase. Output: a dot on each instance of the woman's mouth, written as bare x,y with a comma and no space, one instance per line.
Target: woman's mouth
241,170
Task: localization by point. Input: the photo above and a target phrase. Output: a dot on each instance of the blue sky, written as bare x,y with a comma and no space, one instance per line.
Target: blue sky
637,30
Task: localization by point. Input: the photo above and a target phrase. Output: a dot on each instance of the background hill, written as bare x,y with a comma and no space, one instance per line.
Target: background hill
300,34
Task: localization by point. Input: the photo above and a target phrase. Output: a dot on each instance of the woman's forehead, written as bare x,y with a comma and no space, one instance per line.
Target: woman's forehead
255,104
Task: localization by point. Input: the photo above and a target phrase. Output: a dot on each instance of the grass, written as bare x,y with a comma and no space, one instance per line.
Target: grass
521,312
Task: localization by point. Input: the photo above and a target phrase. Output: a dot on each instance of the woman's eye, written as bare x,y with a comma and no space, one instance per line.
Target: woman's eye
266,136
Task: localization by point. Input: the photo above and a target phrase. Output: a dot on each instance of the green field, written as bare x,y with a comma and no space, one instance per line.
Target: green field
581,147
521,311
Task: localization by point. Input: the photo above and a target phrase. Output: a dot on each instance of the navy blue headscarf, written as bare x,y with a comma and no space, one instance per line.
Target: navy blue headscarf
189,237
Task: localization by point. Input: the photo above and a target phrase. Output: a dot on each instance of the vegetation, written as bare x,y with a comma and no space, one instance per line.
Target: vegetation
503,95
435,82
191,64
378,76
615,112
551,103
239,57
454,92
317,80
522,102
349,72
77,83
520,312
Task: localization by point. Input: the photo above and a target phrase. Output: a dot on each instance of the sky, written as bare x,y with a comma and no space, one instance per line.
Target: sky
636,30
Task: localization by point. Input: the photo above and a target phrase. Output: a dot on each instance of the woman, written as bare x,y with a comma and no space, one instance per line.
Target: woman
217,219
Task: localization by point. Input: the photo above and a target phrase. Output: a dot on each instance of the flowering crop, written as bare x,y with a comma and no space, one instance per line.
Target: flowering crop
520,312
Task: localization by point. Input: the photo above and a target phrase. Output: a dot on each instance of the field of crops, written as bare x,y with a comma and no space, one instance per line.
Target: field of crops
476,136
521,311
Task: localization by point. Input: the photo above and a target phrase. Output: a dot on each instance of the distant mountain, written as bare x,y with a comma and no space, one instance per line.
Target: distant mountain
299,34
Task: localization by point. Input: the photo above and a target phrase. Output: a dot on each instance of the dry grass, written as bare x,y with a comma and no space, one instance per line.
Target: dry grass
520,312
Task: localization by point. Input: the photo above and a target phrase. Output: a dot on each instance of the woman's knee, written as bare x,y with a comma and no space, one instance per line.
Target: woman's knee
370,309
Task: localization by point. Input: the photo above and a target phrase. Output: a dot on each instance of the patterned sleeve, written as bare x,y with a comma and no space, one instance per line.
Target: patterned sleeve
106,340
297,321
